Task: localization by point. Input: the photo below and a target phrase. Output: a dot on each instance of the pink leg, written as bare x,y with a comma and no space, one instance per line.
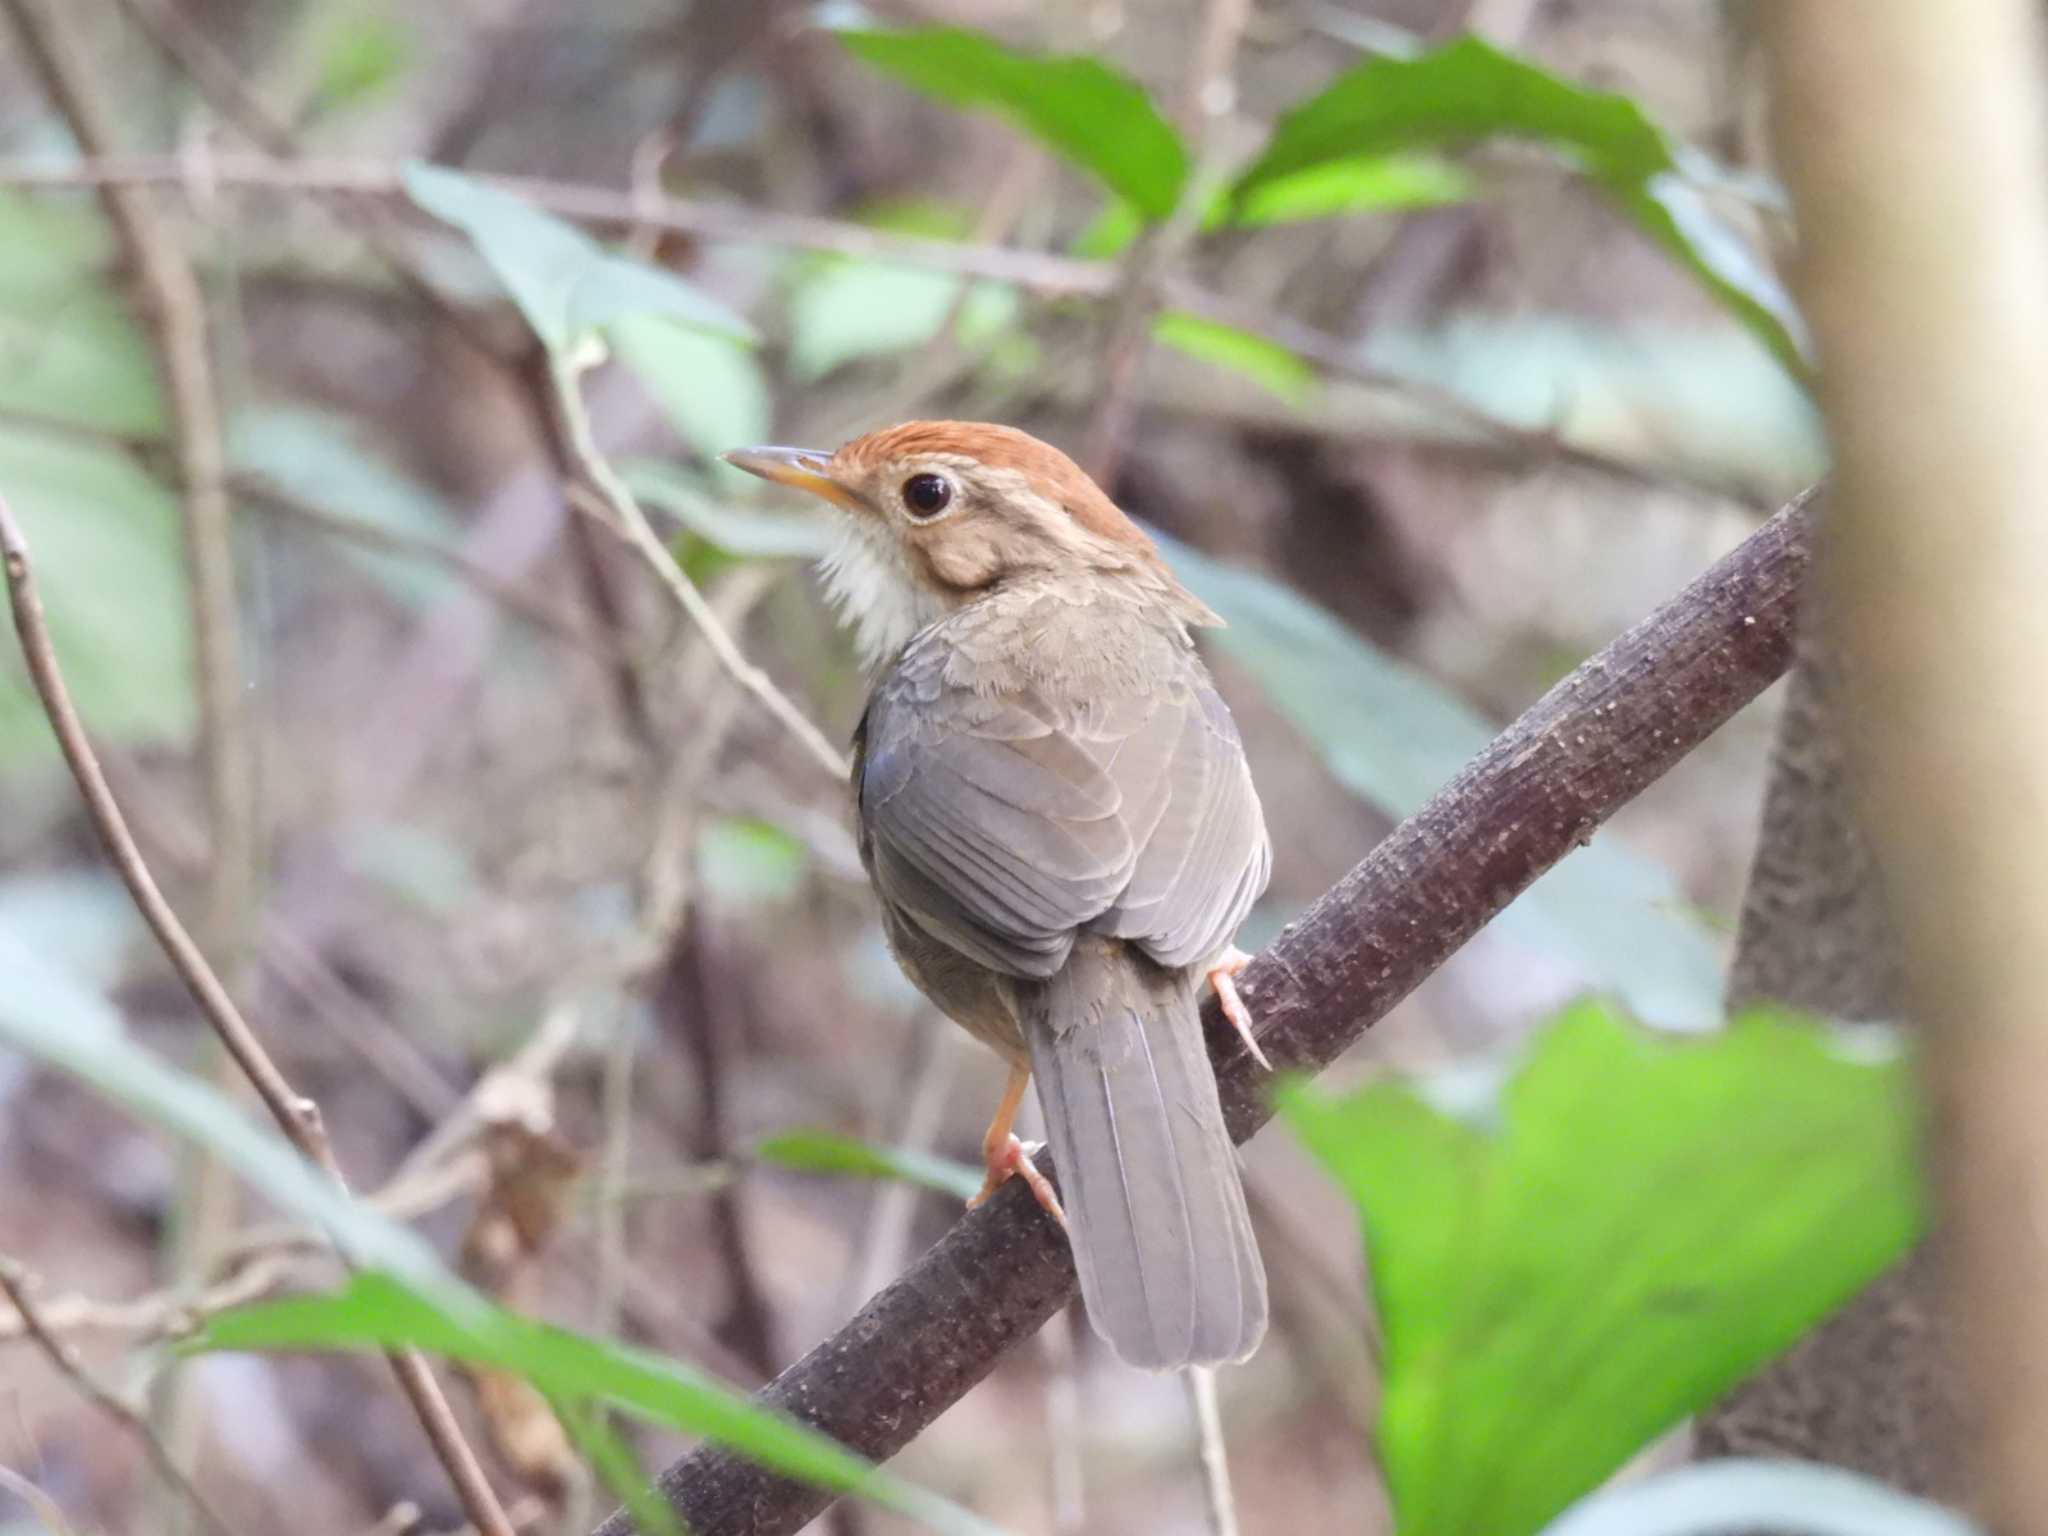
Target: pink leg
1003,1154
1222,976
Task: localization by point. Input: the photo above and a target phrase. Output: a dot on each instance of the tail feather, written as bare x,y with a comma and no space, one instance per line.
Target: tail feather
1148,1175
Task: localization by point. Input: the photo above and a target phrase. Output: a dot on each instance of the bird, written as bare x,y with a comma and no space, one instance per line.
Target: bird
1053,806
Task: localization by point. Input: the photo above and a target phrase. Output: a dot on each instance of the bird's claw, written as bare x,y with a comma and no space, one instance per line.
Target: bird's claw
1014,1157
1223,977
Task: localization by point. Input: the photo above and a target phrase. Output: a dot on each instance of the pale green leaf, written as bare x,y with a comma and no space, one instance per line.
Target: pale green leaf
1264,362
823,1152
710,388
1644,1222
747,862
564,282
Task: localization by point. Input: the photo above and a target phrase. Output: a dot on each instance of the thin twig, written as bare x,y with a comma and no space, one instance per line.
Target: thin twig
1442,410
1207,94
297,1116
15,1282
1201,1380
173,308
1589,746
46,1508
639,534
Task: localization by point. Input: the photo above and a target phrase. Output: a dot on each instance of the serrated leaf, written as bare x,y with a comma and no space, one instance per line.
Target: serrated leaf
824,1152
1644,1223
564,282
1264,362
1468,90
104,537
1093,116
1395,737
71,350
375,1312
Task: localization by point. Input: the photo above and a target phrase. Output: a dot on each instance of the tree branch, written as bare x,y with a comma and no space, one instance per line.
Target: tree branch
297,1116
1546,783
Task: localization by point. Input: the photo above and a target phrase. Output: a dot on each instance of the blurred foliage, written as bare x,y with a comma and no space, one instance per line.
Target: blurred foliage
1469,90
824,1152
1092,115
1629,1229
1791,1498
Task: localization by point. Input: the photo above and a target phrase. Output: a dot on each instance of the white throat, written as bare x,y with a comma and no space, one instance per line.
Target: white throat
866,580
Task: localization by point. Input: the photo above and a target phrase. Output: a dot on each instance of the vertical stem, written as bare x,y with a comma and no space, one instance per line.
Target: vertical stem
1915,149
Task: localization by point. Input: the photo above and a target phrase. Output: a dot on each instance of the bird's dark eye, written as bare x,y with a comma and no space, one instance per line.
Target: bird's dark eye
927,495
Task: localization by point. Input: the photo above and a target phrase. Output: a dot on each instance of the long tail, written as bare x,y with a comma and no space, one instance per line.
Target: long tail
1148,1175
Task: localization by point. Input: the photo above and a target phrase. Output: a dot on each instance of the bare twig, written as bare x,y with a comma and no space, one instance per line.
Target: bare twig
1207,94
1439,410
297,1116
1922,252
1201,1380
15,1282
173,307
639,534
1545,784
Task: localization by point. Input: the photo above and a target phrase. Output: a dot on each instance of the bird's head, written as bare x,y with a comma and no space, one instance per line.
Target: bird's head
939,514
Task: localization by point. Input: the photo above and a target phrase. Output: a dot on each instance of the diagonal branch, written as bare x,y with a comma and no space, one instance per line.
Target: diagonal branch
297,1116
1585,749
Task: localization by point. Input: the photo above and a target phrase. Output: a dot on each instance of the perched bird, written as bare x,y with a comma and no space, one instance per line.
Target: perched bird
1054,808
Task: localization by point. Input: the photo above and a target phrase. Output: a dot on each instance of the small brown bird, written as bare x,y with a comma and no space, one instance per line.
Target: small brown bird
1055,811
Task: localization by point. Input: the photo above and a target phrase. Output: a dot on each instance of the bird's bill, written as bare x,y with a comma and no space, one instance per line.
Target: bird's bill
803,468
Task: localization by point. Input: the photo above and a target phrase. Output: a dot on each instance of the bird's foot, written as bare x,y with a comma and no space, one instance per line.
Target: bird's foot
1014,1157
1223,977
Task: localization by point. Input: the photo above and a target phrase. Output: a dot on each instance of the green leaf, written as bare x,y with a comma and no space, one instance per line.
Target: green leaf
1359,184
564,282
1264,362
741,531
1090,114
404,1294
1645,1223
105,541
823,1152
747,862
71,352
1395,737
710,388
842,310
324,461
1469,90
49,1017
375,1312
362,59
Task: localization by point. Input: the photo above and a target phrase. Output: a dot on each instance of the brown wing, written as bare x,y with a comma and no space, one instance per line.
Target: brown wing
1004,825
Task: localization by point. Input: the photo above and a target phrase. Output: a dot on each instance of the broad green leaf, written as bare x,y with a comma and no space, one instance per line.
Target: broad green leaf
564,282
1395,737
710,388
1264,362
323,461
1090,114
104,538
747,862
823,1152
842,310
374,1311
1468,91
1644,1222
1795,1498
71,351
